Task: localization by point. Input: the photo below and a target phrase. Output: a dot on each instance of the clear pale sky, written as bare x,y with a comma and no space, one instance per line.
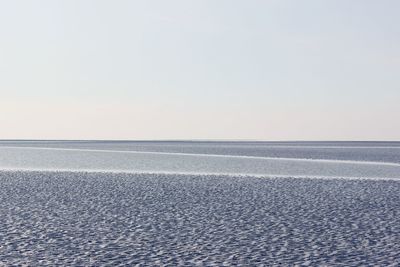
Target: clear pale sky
267,70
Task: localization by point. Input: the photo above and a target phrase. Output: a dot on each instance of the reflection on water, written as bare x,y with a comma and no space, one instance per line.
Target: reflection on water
75,158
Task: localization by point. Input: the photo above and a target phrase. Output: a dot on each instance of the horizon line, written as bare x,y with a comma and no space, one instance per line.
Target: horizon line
185,140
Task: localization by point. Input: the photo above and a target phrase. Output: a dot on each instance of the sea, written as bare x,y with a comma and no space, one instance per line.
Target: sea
199,203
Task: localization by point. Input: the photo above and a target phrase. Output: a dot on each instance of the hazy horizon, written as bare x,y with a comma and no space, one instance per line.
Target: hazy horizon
200,70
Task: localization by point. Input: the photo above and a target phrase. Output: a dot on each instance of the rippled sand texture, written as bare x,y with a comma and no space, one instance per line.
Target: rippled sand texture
69,219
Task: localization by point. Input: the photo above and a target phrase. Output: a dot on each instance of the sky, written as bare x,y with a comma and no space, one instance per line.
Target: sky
200,69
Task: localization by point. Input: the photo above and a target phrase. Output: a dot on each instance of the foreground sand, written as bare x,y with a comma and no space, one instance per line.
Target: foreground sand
61,218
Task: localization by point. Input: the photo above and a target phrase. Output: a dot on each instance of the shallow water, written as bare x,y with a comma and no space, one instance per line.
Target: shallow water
359,151
199,203
92,219
207,158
